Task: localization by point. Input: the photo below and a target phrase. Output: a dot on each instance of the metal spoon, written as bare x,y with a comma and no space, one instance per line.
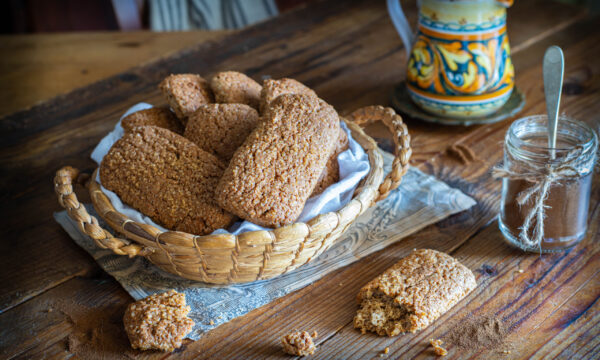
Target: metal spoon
553,69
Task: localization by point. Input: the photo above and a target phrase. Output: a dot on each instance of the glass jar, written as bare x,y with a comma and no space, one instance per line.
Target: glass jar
546,192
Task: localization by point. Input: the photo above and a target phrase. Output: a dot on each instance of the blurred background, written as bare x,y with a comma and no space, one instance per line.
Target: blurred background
40,16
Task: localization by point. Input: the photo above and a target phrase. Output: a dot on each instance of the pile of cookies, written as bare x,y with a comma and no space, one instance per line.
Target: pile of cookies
224,149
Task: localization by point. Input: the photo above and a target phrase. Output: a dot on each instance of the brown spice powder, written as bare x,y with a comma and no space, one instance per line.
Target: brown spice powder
477,332
95,333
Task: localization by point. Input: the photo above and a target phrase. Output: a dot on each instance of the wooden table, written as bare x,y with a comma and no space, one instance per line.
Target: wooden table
56,300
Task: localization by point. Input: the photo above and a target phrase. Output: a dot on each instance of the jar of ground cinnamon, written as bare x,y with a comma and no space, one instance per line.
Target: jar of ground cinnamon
546,191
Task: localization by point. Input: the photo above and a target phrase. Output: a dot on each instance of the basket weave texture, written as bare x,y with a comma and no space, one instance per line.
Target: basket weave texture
250,256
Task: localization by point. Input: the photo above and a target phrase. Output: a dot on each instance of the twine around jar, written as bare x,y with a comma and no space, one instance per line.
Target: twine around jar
542,178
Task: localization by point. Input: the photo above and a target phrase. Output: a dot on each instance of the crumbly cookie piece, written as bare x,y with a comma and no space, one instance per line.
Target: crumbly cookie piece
185,93
158,116
158,322
221,128
298,343
331,174
272,174
235,88
166,177
412,293
271,89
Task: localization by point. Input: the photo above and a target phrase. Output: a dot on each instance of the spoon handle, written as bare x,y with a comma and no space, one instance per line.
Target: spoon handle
553,69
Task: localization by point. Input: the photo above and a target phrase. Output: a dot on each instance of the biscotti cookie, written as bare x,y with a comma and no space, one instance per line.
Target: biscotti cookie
235,88
272,174
271,89
185,93
331,174
161,117
412,293
221,128
158,322
166,177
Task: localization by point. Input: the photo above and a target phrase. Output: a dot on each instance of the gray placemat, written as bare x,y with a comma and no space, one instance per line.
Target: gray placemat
420,200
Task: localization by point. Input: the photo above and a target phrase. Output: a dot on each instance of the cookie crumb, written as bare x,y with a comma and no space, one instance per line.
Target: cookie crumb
211,322
315,334
437,347
386,350
298,343
520,271
506,351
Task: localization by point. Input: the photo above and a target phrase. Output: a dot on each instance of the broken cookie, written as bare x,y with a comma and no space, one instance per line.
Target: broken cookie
158,322
412,293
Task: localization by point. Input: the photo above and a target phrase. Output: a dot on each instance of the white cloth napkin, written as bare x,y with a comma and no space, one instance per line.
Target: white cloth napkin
354,165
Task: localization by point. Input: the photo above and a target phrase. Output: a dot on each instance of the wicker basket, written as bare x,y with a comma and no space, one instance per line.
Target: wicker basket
251,256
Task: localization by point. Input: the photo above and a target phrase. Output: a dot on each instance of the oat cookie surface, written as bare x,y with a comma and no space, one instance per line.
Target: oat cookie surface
221,128
271,89
412,293
185,93
273,173
331,173
158,322
166,177
298,343
156,116
236,88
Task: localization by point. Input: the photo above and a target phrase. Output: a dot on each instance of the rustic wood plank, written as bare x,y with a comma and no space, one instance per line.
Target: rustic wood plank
38,67
579,340
36,142
503,292
323,309
44,325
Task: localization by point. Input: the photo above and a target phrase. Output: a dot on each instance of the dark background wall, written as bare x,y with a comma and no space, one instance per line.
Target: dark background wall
40,16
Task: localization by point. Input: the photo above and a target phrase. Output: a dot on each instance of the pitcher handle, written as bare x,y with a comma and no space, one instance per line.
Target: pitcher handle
401,23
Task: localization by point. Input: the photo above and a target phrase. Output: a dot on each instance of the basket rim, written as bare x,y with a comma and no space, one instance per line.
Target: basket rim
153,238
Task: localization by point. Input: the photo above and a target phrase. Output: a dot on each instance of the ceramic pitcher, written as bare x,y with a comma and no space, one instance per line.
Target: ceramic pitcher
459,65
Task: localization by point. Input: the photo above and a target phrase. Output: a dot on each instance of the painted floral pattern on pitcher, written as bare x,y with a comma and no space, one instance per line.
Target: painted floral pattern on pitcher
460,68
460,64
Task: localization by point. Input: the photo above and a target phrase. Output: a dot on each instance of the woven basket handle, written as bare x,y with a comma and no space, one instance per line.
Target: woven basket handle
63,186
393,121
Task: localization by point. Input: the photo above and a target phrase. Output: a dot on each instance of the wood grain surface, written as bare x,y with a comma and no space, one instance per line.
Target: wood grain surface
54,295
35,68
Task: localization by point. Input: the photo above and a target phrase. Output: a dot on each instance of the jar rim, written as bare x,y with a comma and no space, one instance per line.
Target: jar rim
589,142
